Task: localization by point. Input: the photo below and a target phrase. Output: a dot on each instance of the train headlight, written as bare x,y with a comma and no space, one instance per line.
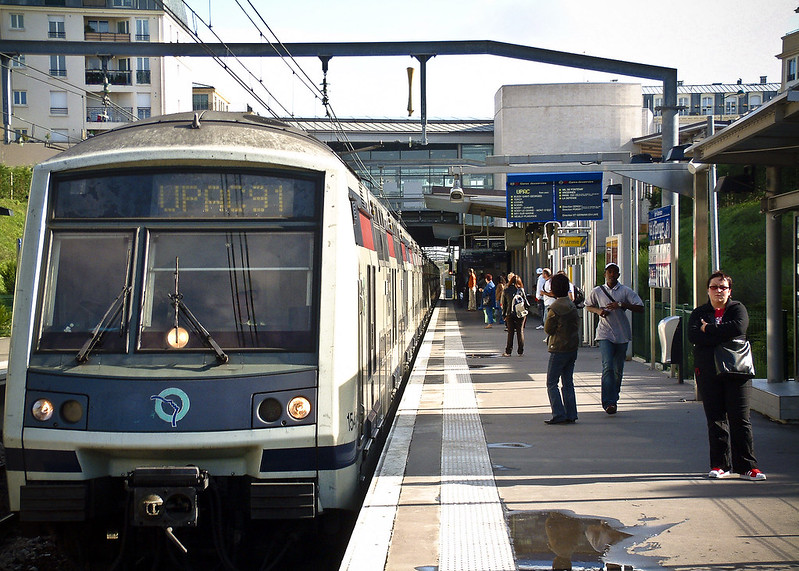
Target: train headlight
72,411
299,408
270,410
42,410
177,338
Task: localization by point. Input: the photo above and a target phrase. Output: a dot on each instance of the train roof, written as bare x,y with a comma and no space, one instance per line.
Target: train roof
211,129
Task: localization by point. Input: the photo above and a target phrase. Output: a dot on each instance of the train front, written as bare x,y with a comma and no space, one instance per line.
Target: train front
165,351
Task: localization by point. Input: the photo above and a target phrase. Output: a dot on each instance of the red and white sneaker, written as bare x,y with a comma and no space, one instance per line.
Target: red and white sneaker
718,473
754,474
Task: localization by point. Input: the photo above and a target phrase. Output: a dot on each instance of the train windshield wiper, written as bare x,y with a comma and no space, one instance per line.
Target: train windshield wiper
180,307
99,330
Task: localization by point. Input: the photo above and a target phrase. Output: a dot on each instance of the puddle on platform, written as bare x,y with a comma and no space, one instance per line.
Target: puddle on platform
562,541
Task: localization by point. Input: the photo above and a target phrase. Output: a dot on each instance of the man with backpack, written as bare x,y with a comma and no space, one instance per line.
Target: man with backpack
610,301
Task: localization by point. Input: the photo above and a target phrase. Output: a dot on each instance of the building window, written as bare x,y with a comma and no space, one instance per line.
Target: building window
58,66
683,102
123,3
707,105
55,27
790,69
59,136
58,103
658,104
17,21
755,101
20,135
123,27
142,30
18,61
143,70
731,105
20,97
200,102
99,26
143,105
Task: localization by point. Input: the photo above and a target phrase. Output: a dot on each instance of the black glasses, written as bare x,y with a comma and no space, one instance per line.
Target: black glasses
719,288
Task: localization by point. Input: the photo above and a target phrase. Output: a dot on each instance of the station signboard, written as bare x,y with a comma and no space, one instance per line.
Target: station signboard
560,196
660,220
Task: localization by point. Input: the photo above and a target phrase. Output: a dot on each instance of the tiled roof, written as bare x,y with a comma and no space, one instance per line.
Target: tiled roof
714,88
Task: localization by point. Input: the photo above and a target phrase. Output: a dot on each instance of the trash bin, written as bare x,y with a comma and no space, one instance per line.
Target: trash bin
670,334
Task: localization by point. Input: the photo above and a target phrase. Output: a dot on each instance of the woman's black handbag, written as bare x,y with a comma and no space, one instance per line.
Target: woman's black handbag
734,359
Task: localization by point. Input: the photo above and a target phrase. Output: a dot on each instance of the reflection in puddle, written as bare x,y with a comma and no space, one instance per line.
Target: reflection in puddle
554,540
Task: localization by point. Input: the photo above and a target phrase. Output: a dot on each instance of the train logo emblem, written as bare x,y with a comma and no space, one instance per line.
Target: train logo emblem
171,405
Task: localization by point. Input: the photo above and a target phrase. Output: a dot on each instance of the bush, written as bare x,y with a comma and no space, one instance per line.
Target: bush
8,276
5,321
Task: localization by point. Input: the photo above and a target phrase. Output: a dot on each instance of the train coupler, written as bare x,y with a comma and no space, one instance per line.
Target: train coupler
166,496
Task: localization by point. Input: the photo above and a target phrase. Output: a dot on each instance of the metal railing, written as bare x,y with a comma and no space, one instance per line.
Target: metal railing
110,114
115,77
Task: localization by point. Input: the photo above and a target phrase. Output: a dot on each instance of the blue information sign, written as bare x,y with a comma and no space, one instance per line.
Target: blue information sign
543,197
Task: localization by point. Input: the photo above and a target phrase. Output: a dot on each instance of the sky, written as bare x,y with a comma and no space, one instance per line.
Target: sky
707,41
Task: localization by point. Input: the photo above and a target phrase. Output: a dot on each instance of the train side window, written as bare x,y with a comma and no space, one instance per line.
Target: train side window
85,274
247,289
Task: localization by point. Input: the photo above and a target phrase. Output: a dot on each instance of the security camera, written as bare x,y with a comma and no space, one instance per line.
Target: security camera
456,194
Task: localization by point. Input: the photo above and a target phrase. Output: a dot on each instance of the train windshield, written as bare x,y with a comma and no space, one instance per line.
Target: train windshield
86,274
245,289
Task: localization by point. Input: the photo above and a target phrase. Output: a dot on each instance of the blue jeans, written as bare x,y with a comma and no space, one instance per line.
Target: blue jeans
613,357
563,402
489,311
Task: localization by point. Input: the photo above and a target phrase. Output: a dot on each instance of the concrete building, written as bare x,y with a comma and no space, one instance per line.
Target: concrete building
61,98
206,97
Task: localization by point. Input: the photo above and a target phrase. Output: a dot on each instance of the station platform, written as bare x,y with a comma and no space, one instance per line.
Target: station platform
472,479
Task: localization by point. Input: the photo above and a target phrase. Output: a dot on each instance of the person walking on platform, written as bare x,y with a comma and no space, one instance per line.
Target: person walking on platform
471,284
563,328
724,398
610,301
489,300
514,321
539,294
502,282
546,293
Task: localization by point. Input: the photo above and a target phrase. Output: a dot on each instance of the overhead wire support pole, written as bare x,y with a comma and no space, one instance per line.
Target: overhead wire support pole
423,97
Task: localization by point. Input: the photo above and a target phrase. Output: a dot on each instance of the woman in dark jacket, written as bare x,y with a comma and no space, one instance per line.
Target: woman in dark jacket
725,399
562,324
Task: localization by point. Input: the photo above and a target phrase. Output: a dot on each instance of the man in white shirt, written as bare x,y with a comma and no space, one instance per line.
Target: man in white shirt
610,301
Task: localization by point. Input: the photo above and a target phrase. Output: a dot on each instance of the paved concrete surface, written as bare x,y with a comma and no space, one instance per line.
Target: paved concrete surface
640,472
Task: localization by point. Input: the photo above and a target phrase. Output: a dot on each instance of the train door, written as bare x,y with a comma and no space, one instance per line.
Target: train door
363,352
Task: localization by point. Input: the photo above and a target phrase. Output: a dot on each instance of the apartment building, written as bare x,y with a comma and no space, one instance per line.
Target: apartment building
724,101
65,98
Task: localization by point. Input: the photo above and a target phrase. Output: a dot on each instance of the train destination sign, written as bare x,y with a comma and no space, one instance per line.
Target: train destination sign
544,197
186,194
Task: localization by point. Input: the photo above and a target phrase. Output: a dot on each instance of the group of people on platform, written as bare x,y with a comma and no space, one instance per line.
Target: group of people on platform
724,397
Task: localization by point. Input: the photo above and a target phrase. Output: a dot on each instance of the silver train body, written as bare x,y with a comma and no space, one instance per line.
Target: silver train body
214,304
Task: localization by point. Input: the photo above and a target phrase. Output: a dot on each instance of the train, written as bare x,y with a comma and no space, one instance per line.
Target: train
213,318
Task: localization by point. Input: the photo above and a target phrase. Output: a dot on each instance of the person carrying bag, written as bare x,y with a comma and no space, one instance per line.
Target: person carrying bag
723,366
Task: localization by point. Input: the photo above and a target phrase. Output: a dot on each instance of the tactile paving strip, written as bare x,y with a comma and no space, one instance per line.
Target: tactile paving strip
473,535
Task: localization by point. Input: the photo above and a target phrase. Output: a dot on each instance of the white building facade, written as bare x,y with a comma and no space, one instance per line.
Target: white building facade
64,98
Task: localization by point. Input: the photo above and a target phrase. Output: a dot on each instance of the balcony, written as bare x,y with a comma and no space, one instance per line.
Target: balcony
57,72
109,115
60,34
115,77
143,77
142,37
144,112
105,37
